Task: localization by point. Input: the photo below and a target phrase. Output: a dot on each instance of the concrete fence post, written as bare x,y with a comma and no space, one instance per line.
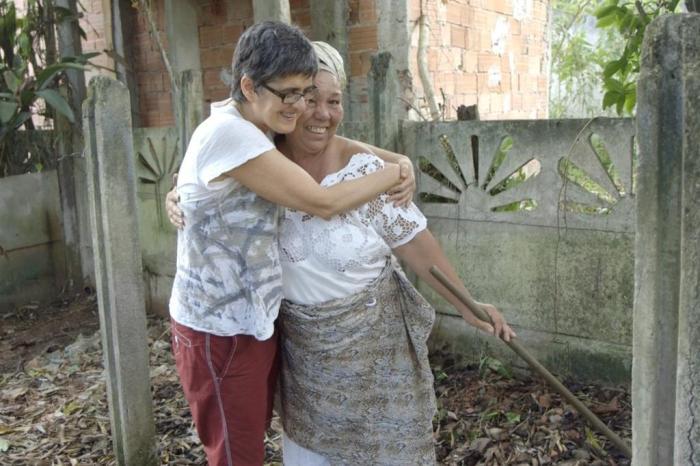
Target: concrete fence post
665,369
181,19
277,10
687,434
71,167
118,269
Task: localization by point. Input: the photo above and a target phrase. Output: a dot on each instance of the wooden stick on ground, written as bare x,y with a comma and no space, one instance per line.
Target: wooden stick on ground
594,420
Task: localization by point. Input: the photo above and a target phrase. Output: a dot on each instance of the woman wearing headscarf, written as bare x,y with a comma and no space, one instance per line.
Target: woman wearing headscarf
355,383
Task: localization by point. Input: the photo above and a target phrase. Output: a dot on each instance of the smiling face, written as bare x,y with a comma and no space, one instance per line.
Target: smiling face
324,112
267,111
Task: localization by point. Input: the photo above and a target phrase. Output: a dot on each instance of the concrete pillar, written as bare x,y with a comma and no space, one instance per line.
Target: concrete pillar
183,51
687,434
382,92
665,370
71,168
329,23
277,10
118,270
390,77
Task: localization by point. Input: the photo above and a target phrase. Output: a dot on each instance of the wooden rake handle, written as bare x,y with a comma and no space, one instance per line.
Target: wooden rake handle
594,420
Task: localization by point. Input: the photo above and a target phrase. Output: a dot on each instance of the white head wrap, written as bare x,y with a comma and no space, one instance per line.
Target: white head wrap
330,60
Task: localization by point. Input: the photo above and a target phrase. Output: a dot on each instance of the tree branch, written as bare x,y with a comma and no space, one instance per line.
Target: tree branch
423,64
155,33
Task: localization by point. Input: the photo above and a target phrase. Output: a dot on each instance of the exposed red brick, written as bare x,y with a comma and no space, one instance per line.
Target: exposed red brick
488,60
466,83
211,36
501,6
360,63
368,11
363,37
458,36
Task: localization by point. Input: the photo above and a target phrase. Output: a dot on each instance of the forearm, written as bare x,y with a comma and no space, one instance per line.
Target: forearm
423,252
354,193
278,180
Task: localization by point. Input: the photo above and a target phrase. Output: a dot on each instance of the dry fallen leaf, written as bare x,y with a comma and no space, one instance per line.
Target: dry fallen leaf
54,411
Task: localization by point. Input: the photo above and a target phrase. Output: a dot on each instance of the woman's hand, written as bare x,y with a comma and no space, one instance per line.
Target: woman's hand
500,327
175,215
402,194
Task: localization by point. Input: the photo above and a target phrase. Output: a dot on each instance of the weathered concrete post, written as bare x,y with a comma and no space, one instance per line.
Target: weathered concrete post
687,435
666,343
329,23
271,9
389,76
71,181
188,97
118,270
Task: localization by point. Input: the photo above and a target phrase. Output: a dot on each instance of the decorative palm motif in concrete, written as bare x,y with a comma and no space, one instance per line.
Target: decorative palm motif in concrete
594,197
479,183
158,157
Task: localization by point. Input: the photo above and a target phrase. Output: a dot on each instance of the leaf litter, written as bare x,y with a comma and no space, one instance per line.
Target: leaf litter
489,416
53,410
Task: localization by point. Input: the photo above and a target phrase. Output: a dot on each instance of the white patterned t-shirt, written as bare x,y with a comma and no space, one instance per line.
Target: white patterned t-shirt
228,278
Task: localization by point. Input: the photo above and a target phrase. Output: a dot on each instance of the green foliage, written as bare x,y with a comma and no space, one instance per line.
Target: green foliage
31,72
491,364
579,53
629,19
512,418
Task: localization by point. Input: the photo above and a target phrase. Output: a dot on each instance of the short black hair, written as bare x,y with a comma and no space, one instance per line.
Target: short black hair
269,50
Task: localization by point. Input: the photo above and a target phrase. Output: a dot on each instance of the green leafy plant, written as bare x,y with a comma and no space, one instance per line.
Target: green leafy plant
491,364
31,72
601,62
512,418
630,19
579,52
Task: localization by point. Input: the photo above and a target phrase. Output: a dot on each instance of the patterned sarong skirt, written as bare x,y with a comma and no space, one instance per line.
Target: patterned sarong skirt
355,382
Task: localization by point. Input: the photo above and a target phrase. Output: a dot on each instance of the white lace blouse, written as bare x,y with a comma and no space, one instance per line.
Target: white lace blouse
324,260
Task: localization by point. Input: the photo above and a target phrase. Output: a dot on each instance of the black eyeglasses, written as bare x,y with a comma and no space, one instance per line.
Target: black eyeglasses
291,97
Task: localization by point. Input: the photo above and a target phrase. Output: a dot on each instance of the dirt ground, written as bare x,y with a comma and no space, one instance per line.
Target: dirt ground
53,404
34,329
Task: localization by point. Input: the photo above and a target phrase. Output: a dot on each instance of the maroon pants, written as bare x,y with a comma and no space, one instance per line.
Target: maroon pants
229,384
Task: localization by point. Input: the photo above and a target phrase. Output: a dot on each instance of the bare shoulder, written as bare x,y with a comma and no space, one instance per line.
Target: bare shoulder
350,147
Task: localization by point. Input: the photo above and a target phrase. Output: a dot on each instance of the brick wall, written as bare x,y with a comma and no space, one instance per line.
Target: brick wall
221,23
150,77
492,53
486,52
362,36
300,11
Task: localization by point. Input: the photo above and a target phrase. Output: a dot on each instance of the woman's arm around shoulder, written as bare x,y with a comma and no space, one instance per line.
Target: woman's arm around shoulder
277,179
274,177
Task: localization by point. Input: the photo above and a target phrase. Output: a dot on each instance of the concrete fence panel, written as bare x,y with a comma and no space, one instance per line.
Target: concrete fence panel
31,248
158,157
538,217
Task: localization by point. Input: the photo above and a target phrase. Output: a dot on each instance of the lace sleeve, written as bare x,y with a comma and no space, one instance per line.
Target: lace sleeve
396,225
